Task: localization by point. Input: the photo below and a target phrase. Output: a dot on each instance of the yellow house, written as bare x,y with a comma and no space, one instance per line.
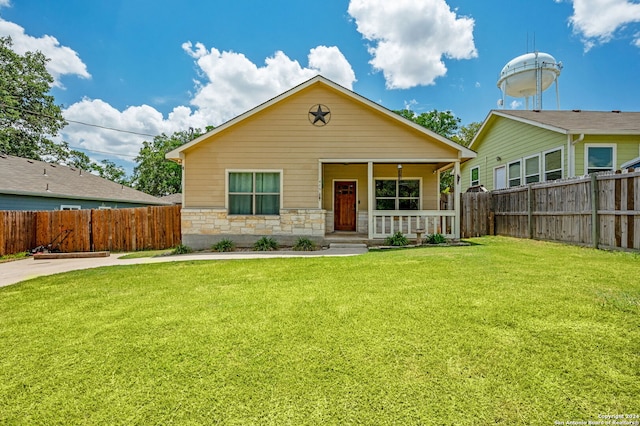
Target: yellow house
316,161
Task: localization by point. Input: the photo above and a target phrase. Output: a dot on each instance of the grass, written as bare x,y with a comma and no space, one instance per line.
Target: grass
502,332
12,257
146,253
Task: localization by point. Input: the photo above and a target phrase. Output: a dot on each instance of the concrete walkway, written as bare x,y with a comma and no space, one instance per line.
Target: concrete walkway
20,270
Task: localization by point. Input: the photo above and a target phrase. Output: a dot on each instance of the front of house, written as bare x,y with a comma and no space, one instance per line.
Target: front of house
316,161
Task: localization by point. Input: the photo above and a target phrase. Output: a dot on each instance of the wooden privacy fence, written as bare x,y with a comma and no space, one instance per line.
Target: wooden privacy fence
600,210
143,228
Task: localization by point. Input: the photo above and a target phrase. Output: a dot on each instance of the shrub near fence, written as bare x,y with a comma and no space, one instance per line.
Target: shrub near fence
600,210
91,230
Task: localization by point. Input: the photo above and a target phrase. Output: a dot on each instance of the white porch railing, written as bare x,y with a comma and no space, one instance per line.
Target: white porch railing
388,222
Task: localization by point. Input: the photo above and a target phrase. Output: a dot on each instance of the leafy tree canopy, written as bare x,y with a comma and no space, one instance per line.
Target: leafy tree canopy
28,114
443,123
156,175
466,133
448,125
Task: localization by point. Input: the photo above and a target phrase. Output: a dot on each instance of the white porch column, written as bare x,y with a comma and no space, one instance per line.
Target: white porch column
456,194
320,170
371,199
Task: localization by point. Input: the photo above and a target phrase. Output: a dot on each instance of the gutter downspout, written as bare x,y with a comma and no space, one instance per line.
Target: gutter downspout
571,153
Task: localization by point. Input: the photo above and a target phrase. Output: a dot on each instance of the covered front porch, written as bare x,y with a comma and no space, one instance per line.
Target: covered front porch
377,198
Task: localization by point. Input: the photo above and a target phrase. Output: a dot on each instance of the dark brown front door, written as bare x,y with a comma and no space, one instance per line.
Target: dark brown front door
344,206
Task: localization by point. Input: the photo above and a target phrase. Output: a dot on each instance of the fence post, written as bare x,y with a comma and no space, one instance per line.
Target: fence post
595,221
530,210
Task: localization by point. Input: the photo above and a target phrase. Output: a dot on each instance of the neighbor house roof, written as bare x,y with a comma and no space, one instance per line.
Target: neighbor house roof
172,198
465,152
571,122
634,163
21,176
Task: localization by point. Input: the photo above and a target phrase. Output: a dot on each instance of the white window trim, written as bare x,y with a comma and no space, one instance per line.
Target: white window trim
544,163
70,207
509,179
419,179
471,176
614,153
524,168
226,186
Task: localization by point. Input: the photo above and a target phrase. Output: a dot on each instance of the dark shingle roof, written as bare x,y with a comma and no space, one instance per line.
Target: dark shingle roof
577,121
36,178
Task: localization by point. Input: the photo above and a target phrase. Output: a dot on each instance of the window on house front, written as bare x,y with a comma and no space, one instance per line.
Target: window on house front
599,158
392,194
553,165
475,176
514,173
254,193
532,169
69,207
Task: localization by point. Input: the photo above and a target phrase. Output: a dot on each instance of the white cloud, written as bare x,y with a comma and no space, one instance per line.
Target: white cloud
231,84
597,21
63,60
515,104
5,3
411,37
143,122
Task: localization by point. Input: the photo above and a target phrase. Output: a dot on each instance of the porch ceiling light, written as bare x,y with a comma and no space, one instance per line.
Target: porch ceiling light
399,171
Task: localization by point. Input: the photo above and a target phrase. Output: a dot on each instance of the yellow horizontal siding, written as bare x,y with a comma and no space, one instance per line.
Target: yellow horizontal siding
282,138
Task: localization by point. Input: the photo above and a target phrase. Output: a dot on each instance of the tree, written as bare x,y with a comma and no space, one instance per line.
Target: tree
466,133
156,175
443,123
28,115
109,170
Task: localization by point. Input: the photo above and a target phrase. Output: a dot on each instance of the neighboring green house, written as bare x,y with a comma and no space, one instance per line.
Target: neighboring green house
35,185
517,147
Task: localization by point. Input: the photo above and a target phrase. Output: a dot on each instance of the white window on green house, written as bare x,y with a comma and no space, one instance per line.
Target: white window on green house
392,194
599,158
475,176
532,169
553,164
254,193
515,173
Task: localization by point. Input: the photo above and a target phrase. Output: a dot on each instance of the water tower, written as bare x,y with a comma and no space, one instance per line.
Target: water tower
529,75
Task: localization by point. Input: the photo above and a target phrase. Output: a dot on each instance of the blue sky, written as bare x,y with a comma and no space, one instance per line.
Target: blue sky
160,66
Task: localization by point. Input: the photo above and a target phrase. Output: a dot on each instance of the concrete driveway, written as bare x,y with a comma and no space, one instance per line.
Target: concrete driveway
20,270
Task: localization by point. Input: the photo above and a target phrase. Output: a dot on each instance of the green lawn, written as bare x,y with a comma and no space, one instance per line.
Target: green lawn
505,331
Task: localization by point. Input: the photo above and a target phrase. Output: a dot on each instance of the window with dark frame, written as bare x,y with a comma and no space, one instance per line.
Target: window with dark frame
392,194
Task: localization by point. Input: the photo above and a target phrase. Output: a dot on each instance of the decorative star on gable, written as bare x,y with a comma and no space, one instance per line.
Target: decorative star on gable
319,115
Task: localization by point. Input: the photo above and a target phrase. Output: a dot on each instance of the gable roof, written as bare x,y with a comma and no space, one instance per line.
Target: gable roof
320,80
634,163
21,176
570,122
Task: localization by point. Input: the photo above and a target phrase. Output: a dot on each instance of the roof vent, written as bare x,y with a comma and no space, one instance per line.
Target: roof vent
45,172
576,110
617,111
